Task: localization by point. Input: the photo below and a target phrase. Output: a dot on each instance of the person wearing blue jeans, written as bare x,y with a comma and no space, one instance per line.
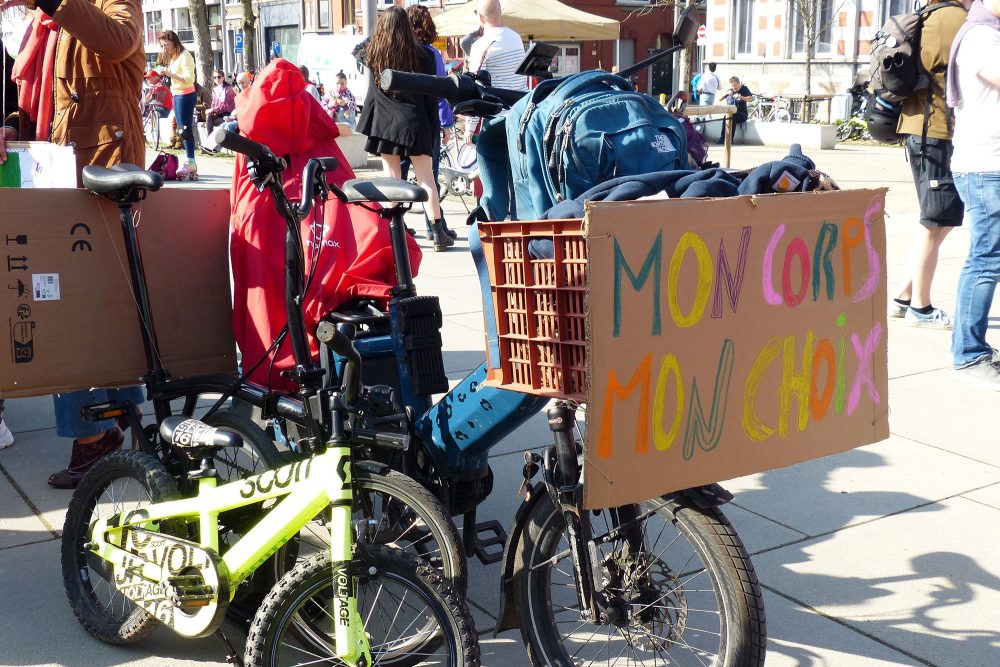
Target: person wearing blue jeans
974,93
91,440
180,69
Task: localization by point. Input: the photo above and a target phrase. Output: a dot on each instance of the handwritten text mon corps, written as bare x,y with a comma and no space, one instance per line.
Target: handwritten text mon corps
811,376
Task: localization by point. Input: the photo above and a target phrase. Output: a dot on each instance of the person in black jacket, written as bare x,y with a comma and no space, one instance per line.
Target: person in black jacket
402,124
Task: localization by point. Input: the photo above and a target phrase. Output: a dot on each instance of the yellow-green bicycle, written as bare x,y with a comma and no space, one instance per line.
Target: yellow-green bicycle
135,554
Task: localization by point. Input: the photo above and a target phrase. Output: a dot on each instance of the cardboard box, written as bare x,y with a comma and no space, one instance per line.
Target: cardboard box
731,336
66,304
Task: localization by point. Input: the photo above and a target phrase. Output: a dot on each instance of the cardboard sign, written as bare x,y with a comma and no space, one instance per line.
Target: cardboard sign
67,311
731,336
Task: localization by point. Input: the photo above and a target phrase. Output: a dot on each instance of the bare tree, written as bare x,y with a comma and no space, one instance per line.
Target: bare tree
249,35
814,17
202,40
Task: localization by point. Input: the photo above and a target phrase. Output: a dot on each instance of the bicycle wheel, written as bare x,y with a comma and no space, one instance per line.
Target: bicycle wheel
411,615
782,115
844,130
687,596
257,454
121,482
396,511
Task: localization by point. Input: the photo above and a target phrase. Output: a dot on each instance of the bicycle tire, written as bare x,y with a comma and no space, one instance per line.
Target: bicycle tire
80,566
416,510
285,614
844,130
258,453
782,116
733,586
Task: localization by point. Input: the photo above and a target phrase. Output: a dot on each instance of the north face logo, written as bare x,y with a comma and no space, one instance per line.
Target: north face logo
662,144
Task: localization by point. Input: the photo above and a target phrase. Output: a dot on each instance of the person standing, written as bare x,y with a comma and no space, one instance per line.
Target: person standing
402,124
6,437
180,69
74,46
426,34
927,123
708,86
974,93
499,51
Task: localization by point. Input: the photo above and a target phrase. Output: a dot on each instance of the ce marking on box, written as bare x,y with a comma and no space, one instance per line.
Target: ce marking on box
80,229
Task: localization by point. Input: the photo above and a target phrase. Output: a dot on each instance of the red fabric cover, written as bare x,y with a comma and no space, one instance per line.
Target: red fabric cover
356,254
34,72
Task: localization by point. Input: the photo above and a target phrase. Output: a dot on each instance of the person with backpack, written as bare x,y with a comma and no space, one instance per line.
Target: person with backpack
974,93
927,125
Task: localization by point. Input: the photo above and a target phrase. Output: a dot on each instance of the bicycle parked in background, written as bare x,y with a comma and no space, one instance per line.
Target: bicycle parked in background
770,109
151,124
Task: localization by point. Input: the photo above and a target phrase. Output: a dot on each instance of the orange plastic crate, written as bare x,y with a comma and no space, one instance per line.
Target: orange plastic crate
540,306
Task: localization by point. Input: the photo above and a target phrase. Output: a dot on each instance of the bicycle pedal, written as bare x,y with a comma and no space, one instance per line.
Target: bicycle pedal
495,536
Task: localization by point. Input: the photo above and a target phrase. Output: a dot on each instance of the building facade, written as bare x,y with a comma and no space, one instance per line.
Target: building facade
762,41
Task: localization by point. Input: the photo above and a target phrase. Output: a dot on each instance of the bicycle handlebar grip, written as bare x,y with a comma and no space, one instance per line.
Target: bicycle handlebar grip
328,163
241,144
508,97
426,84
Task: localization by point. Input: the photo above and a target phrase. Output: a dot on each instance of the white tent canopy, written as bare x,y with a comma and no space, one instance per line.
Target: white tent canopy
541,20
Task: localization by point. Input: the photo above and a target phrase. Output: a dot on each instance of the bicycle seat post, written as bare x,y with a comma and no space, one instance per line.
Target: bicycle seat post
400,252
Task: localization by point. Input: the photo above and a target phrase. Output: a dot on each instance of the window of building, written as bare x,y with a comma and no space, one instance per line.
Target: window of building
819,15
349,8
154,24
743,27
182,24
895,8
324,14
309,14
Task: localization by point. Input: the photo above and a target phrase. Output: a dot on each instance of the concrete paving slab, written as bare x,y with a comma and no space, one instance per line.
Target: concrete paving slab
989,496
29,414
19,524
39,627
935,408
850,488
799,637
922,582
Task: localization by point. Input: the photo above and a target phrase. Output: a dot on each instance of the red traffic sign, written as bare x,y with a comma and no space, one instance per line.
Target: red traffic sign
702,32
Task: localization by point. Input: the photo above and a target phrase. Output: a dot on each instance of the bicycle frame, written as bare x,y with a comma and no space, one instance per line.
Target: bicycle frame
304,489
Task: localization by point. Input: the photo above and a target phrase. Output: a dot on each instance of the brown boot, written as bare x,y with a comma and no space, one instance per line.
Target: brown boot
84,456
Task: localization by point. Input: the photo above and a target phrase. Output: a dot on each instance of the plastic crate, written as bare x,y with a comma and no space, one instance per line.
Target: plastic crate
540,306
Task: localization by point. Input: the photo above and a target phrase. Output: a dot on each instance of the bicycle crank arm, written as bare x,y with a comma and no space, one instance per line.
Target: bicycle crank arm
183,585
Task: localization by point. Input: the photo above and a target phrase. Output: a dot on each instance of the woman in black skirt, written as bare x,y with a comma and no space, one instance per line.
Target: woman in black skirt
402,124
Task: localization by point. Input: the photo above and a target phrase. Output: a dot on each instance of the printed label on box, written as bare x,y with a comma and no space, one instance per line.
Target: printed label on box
45,286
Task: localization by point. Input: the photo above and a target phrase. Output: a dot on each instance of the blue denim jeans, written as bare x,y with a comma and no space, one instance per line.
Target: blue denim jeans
69,424
980,192
184,113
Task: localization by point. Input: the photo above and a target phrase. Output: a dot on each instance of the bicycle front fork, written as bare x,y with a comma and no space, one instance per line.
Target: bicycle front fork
566,488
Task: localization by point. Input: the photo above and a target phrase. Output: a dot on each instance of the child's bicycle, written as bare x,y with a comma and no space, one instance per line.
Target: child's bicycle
387,507
134,560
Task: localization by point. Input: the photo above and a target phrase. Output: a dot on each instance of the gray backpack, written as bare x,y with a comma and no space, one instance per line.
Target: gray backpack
895,71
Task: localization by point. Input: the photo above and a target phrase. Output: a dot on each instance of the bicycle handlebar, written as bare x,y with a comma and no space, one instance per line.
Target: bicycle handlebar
240,144
456,88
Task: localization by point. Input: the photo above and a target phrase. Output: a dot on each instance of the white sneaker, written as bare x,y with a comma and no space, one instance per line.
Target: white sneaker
936,319
6,437
984,374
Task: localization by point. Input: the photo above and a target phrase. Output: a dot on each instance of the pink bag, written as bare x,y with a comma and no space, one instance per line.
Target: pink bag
165,164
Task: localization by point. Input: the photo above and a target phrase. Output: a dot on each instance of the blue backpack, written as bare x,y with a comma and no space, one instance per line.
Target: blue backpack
570,134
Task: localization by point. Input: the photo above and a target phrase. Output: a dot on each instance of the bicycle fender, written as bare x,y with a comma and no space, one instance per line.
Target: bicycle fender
704,497
373,467
508,618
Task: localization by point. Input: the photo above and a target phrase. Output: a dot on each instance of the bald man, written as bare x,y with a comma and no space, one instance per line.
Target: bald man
499,51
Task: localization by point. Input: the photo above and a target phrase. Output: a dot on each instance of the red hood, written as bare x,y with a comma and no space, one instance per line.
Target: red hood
278,112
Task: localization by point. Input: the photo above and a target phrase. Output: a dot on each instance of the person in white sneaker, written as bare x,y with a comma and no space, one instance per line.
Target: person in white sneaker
974,92
6,437
926,122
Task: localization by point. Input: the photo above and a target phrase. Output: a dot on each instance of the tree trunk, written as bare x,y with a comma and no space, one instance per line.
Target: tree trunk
202,41
805,103
685,62
249,35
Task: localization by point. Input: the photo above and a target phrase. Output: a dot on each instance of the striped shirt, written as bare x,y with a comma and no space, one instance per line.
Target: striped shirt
499,51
